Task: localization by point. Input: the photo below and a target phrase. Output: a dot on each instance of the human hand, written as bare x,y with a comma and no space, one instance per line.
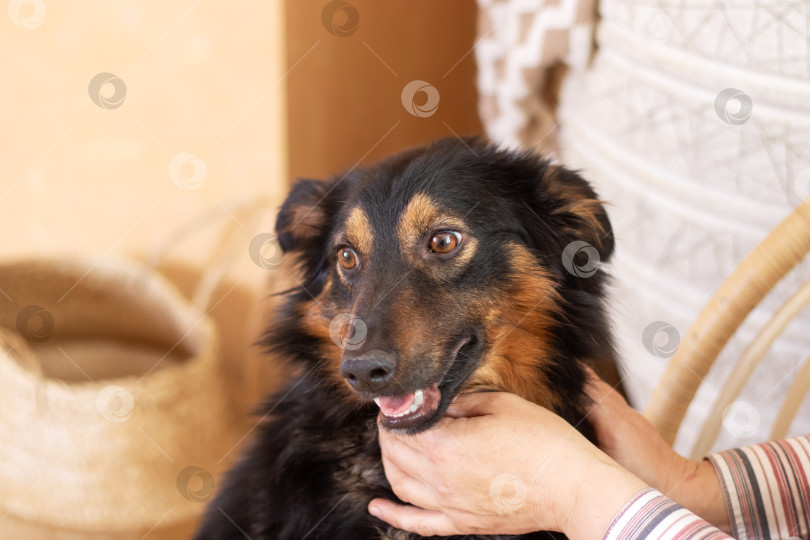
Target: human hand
498,464
626,436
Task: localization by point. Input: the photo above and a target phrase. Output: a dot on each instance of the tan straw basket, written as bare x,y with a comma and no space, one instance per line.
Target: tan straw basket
114,416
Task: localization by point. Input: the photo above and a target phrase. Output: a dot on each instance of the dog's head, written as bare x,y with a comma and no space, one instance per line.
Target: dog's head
450,268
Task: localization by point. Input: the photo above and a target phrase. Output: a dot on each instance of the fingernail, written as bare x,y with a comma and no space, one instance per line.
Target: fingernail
374,510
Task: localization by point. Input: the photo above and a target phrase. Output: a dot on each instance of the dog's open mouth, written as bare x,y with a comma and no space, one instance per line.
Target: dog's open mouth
403,411
418,410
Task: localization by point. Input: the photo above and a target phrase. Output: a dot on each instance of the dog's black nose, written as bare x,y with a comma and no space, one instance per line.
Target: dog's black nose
369,372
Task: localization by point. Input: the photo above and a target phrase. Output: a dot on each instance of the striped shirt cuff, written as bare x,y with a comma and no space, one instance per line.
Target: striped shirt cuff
652,515
766,487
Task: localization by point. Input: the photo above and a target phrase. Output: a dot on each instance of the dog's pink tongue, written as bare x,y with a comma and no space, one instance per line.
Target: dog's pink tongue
394,405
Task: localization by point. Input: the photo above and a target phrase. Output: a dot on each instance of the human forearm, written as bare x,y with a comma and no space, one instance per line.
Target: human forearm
626,436
601,497
616,505
700,490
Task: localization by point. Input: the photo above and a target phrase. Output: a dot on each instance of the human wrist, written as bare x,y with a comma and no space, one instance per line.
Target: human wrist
701,492
678,481
606,488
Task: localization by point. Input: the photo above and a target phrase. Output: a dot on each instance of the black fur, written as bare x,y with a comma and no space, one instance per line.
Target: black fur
315,462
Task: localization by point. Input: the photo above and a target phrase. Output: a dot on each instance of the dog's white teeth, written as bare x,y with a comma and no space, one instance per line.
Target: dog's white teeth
418,399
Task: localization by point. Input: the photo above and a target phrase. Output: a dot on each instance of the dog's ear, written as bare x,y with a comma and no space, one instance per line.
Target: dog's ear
575,210
304,219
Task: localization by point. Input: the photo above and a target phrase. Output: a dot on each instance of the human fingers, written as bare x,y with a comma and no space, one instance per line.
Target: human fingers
413,453
607,405
409,488
600,391
411,518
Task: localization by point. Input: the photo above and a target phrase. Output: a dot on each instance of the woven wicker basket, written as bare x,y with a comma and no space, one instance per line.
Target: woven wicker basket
114,417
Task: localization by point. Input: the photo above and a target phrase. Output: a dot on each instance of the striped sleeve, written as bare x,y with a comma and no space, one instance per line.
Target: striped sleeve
766,488
652,515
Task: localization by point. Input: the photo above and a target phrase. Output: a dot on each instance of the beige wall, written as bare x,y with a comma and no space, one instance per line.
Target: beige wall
345,90
216,81
201,77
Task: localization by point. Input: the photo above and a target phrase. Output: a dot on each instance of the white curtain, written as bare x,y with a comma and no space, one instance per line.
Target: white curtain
692,119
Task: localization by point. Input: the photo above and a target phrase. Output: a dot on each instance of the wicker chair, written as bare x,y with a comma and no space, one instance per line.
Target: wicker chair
774,257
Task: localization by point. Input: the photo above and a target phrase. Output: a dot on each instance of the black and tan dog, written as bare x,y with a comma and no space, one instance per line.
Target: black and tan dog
444,269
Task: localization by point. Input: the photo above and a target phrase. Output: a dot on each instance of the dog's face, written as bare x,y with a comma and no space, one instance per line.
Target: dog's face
438,271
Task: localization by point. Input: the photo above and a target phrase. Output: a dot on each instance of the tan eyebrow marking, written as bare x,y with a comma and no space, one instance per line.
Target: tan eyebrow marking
416,220
419,218
358,231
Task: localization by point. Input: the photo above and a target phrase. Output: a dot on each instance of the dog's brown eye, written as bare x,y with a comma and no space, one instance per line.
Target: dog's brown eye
347,258
444,242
